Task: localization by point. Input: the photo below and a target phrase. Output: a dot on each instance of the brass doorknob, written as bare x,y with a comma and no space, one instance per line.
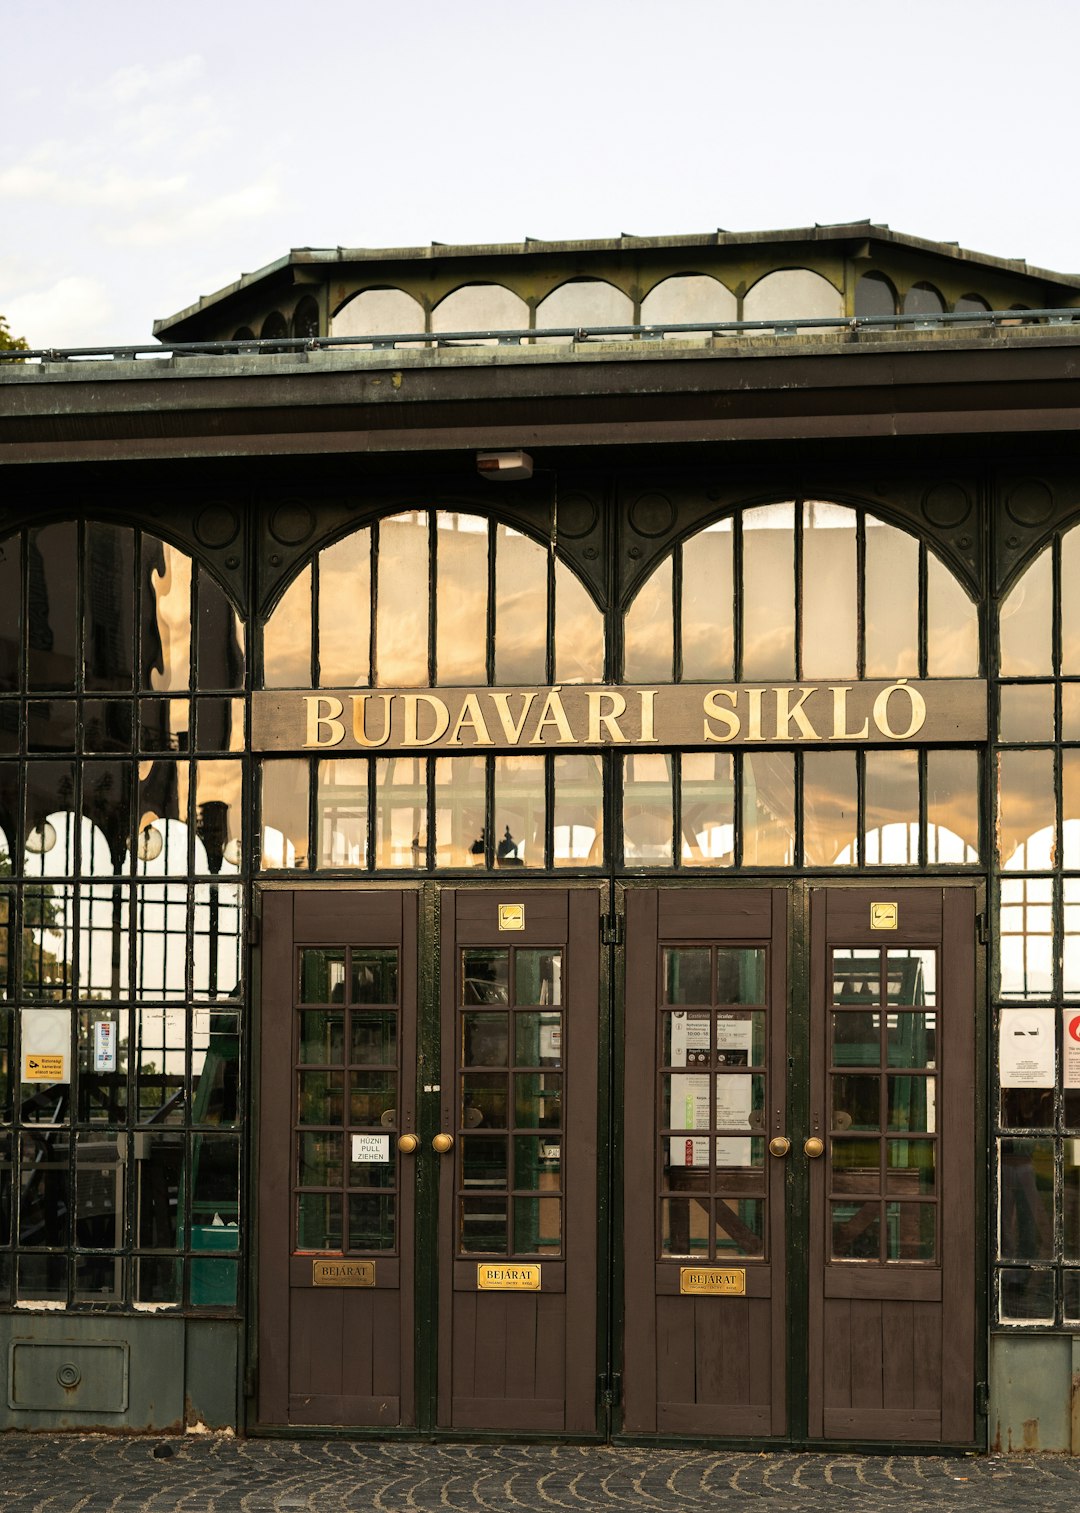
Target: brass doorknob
407,1144
779,1145
814,1147
442,1143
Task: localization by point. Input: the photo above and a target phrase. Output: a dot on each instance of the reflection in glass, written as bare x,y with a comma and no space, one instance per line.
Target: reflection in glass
892,602
11,614
740,974
648,819
768,809
485,975
321,1098
521,566
687,975
318,1221
374,1040
830,808
855,1166
768,598
520,808
910,1231
322,974
482,1226
1026,1296
1070,809
322,1037
952,625
52,638
684,1226
462,598
345,612
912,1103
740,1227
165,653
707,815
342,813
856,1231
483,1100
538,1100
579,812
649,629
221,650
374,974
1026,712
856,1102
1070,711
484,1039
892,808
952,807
911,1040
284,842
1025,940
538,1040
219,817
537,1226
910,1167
1071,951
1026,1206
460,809
579,630
1070,607
708,604
856,1038
401,812
829,597
372,1099
402,605
1025,622
483,1161
1025,809
287,637
538,976
108,608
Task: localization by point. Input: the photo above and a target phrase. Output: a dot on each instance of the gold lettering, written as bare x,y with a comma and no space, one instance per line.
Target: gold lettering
553,713
359,718
839,718
648,713
753,727
732,723
323,709
917,718
412,711
786,712
610,721
512,731
470,716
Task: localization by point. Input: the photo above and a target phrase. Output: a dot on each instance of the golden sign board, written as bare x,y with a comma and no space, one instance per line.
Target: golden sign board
43,1069
727,1281
884,916
326,1272
497,1276
511,916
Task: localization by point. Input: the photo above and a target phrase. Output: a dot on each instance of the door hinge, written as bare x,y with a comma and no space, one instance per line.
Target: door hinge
982,1398
611,930
254,929
980,928
251,1380
610,1389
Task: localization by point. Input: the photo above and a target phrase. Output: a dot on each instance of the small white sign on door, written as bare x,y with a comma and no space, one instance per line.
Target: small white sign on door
371,1147
104,1046
1026,1047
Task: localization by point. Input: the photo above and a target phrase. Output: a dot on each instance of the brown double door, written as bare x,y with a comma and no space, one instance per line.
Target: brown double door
427,1167
799,1159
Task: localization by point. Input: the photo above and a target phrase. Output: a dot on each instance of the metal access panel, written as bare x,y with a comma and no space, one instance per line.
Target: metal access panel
90,1376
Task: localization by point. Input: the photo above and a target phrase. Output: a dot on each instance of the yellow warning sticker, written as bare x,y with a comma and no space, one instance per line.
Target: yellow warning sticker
43,1068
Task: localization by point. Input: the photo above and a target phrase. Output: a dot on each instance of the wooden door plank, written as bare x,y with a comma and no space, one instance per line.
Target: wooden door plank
926,1335
834,1376
357,1344
761,1360
520,1344
709,1351
552,1347
866,1382
898,1355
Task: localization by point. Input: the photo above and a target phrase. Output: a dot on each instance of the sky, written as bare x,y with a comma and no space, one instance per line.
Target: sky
153,153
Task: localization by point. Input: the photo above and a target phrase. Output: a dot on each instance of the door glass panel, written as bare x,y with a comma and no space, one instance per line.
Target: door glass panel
740,974
483,1161
684,1224
912,1103
911,1040
856,1166
318,1221
740,1100
322,975
483,1100
684,1101
482,1226
538,976
485,976
373,1099
856,1103
371,1222
739,1155
687,975
322,1097
910,1230
322,1037
537,1226
911,976
740,1039
740,1227
538,1100
321,1160
856,1231
484,1039
538,1040
910,1167
374,1039
374,976
856,1038
856,977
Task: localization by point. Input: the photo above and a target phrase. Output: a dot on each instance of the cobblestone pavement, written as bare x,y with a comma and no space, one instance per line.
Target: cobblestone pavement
214,1474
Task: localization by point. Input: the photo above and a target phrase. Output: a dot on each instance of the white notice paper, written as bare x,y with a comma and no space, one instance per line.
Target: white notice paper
45,1043
1070,1048
1026,1047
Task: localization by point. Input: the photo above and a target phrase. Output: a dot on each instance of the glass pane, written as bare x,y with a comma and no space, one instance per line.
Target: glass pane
1070,1198
830,809
345,612
684,1098
402,602
159,1176
52,650
1070,948
483,1161
219,811
829,602
47,942
284,814
1026,712
462,598
220,638
321,1098
401,812
684,1226
1026,1208
538,976
373,1099
341,813
372,1222
1025,622
856,1231
1070,809
892,808
740,1101
579,631
952,625
740,974
856,1038
768,810
648,819
708,606
952,807
768,597
159,1060
49,726
538,1040
485,976
1025,922
1070,608
687,1039
911,1040
1025,809
483,1227
912,1103
215,1192
688,974
579,812
11,619
891,608
374,1039
108,606
484,1039
99,1197
537,1226
1070,1305
1070,711
910,1167
164,724
165,652
322,1037
483,1100
856,1166
538,1100
107,724
911,976
740,1039
1027,1107
103,1059
648,630
739,1163
318,1221
1026,1296
740,1227
460,811
707,819
520,608
520,811
856,1102
320,1160
910,1230
322,974
537,1162
374,974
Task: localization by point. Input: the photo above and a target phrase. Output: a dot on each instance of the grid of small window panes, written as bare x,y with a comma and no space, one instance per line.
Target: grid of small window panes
122,670
712,1082
1036,1094
510,1101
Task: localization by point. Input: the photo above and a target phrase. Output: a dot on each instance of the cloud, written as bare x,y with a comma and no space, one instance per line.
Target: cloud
198,221
127,85
113,190
74,311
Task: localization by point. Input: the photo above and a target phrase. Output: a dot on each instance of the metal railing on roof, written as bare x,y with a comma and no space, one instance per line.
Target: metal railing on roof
661,331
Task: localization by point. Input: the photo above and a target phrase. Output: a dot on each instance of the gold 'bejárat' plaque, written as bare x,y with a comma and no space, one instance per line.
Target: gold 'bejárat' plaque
327,1272
884,916
725,1281
511,916
498,1276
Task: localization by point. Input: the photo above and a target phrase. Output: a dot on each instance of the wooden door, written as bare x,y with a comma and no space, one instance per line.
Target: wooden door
892,1193
518,1192
335,1194
704,1092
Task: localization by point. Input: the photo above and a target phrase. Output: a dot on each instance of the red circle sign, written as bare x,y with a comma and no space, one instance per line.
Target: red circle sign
1074,1027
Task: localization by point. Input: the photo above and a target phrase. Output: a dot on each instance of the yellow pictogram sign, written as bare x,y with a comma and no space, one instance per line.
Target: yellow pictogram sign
43,1068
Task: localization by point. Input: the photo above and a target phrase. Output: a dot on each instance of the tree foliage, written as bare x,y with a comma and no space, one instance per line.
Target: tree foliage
9,343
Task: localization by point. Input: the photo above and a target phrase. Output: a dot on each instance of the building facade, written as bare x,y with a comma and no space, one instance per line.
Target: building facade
540,812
